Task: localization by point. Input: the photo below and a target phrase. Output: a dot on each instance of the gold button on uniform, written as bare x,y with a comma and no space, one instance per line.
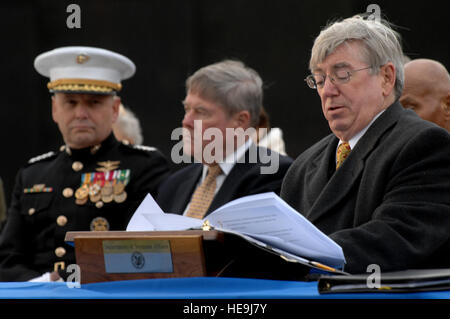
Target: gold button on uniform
31,211
61,220
67,192
77,166
60,251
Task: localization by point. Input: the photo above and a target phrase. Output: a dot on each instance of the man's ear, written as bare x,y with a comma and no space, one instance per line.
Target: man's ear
388,74
242,119
445,104
54,109
116,107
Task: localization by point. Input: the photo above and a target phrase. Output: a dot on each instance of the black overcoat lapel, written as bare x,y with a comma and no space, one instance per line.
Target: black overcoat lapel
346,179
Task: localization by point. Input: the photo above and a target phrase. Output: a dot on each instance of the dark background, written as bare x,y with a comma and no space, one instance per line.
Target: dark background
168,40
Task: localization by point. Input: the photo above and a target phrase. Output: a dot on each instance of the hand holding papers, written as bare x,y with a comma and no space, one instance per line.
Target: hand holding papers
263,219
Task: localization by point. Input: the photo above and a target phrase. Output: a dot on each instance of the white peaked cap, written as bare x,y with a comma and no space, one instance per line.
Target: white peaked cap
84,69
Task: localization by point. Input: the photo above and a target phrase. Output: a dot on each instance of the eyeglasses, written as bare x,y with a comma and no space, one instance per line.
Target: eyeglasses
315,81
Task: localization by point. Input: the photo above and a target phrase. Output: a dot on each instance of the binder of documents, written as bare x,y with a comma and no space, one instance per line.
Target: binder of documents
264,220
397,281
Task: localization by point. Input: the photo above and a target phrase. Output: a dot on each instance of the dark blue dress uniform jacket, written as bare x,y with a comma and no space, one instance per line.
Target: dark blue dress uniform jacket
33,238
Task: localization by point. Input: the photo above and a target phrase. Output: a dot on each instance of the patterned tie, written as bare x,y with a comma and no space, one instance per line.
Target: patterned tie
204,194
342,153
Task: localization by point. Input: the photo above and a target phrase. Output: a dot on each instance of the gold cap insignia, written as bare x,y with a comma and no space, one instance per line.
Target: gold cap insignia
82,58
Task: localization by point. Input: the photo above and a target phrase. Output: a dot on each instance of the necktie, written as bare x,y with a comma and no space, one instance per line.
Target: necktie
342,153
204,194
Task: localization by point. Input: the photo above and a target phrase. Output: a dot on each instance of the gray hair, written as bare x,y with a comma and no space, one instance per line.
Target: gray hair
129,124
232,85
381,44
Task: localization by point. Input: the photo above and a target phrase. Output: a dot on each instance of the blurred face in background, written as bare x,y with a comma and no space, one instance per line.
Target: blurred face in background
211,116
427,91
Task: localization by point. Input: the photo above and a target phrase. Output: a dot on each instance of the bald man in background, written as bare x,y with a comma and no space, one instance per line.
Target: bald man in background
427,91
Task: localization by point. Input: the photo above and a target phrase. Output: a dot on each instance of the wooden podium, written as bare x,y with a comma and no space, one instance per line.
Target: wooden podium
121,255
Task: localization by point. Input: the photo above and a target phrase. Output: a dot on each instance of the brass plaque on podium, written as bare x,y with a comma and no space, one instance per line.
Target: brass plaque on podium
120,255
137,256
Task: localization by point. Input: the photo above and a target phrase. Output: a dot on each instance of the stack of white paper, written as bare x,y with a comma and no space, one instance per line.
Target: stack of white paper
264,219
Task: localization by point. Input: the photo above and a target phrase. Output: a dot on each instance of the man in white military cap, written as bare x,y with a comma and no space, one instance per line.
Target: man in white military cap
93,182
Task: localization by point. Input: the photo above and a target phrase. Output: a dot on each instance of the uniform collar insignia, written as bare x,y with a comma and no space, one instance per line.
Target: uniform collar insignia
65,148
93,149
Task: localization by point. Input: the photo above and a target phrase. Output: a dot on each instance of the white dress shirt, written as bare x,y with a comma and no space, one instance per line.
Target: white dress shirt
226,166
354,140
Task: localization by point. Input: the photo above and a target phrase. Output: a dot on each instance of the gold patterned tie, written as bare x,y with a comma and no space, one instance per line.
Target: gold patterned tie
204,194
342,153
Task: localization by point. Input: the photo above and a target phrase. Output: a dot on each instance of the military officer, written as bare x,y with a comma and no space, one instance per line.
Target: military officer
93,182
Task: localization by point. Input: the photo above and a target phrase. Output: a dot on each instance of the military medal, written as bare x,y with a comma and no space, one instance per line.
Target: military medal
81,201
107,192
118,188
96,197
107,198
104,186
107,189
82,193
119,192
94,193
120,198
